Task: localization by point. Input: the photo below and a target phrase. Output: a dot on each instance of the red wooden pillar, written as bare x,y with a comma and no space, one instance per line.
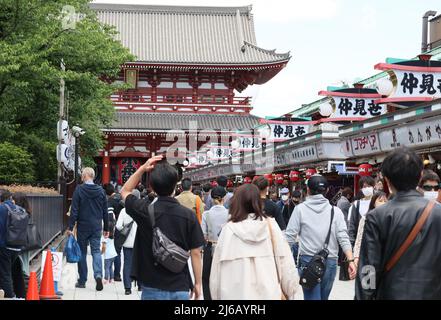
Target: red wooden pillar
106,167
356,180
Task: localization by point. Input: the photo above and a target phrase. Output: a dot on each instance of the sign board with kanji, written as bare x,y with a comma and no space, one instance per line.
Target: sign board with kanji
354,106
412,83
286,131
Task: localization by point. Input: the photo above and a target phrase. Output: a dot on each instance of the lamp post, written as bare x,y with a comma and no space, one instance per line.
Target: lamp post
78,132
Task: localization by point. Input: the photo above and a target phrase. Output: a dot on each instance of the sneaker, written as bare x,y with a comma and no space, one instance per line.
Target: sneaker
99,284
117,279
128,292
80,285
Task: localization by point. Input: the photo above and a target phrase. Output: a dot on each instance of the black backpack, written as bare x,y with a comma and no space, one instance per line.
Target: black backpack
165,252
316,268
17,227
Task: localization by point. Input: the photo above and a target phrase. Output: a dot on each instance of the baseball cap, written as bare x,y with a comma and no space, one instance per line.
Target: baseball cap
284,191
318,183
218,193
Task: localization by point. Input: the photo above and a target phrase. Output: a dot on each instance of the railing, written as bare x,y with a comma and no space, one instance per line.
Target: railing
180,99
47,214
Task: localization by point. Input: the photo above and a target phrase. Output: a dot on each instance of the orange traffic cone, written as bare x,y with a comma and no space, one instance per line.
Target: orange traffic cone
33,288
47,289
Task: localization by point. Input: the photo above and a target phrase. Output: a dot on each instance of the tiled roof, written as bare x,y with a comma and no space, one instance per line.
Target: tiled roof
170,121
187,35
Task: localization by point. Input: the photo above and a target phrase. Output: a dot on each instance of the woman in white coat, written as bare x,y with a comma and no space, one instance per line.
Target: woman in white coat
125,220
252,260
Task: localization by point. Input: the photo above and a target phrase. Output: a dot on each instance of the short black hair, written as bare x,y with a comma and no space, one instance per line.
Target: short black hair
164,178
109,188
428,175
206,187
347,192
5,195
186,184
366,179
403,168
222,181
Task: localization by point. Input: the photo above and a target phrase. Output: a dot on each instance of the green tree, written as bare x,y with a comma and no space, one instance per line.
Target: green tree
15,164
33,41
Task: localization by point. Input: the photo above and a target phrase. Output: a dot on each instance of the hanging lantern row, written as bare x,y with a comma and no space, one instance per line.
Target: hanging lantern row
365,170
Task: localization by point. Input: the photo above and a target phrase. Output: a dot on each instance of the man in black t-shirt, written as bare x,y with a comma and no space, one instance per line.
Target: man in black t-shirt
269,207
178,223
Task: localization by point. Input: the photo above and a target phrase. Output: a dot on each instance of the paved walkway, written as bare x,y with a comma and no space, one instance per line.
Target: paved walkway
342,290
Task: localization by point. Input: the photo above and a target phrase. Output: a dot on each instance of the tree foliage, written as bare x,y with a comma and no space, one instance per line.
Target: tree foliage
15,164
33,41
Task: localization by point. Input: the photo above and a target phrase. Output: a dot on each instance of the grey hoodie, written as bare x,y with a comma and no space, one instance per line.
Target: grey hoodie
310,221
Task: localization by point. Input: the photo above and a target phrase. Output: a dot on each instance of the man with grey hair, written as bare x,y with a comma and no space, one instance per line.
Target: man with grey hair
89,212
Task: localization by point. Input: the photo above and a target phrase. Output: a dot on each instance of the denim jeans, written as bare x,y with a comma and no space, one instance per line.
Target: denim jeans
128,254
322,290
94,239
108,269
157,294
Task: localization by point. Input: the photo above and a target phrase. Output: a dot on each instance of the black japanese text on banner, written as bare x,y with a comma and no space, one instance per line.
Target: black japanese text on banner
409,83
351,106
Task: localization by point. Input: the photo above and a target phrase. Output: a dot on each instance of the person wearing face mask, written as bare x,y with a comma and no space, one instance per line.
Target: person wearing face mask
429,185
360,207
287,203
378,199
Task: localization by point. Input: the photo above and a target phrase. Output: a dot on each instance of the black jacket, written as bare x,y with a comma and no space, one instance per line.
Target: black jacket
89,209
417,275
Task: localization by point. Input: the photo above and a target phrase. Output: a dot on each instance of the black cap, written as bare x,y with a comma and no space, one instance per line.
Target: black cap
318,183
218,192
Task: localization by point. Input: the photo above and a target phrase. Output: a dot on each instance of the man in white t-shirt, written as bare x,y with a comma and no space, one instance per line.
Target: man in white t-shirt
360,207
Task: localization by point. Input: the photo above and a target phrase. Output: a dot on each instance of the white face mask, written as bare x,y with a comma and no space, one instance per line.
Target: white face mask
368,192
285,197
431,195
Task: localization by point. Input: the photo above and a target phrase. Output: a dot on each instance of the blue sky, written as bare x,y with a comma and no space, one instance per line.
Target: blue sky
330,41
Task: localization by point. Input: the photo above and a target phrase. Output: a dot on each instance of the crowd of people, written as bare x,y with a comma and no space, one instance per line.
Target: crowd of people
247,243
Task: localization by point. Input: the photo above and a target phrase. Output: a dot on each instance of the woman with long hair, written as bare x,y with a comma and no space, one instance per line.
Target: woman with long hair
378,199
252,260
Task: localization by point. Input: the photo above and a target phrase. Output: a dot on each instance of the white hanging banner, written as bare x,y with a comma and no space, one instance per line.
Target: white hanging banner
411,83
346,106
285,131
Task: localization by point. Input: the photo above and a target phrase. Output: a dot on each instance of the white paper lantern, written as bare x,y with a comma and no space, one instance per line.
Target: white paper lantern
326,109
235,144
384,86
265,132
185,163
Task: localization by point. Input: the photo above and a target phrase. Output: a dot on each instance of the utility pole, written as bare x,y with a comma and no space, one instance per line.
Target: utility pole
60,130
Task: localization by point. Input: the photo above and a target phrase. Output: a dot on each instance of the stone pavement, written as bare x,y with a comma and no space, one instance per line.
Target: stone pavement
342,290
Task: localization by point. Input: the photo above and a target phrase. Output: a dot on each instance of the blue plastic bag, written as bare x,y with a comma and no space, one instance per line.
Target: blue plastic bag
72,250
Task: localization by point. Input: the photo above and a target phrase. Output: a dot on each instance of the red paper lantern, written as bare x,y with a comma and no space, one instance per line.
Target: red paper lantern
365,169
214,183
294,176
279,178
247,180
269,177
310,172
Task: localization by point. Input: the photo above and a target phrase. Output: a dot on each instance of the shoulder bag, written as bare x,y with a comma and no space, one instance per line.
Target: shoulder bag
316,268
283,297
411,237
165,252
